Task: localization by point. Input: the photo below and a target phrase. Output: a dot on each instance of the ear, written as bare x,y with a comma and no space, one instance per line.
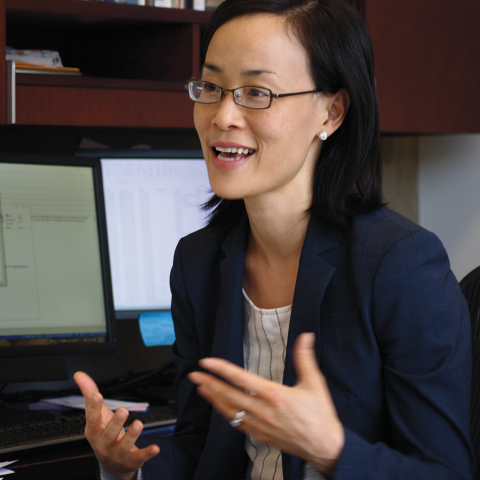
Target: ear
337,107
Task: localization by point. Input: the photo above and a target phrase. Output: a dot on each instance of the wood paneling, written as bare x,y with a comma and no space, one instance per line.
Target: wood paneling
427,64
56,105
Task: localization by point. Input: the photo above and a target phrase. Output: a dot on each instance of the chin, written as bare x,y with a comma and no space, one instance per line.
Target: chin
226,188
228,195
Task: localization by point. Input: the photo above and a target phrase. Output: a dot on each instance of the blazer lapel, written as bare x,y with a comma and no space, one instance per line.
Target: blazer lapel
227,342
314,275
224,452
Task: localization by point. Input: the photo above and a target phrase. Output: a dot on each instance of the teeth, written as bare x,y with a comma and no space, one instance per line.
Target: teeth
234,150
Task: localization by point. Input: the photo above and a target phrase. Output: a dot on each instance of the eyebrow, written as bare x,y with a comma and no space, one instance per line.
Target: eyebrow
246,73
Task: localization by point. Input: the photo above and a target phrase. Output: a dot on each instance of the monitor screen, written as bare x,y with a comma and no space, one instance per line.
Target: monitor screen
55,287
153,198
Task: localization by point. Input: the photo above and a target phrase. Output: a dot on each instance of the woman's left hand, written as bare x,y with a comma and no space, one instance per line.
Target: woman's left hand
300,420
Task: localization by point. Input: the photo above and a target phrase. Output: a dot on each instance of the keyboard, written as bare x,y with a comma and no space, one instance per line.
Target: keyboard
43,430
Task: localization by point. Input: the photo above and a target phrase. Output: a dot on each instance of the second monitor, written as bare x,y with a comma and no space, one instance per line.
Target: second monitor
152,198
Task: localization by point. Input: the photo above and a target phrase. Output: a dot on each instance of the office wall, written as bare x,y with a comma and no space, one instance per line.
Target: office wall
400,174
449,196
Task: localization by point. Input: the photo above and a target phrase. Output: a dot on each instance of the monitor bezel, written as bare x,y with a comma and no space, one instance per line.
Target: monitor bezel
111,338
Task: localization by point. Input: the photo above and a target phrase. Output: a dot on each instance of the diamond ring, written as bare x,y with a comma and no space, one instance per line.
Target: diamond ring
239,416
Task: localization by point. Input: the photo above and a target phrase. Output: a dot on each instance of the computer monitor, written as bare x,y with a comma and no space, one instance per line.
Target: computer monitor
55,286
153,198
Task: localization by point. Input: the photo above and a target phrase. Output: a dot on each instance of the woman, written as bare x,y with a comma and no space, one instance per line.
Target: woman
298,242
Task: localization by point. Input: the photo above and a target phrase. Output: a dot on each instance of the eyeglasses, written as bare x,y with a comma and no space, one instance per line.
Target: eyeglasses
248,97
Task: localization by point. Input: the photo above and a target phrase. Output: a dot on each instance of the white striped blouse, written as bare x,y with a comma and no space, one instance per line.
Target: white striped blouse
265,337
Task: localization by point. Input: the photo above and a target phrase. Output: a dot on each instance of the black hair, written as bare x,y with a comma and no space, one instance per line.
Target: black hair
348,173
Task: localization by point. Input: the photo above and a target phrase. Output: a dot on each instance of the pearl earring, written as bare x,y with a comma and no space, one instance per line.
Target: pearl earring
323,136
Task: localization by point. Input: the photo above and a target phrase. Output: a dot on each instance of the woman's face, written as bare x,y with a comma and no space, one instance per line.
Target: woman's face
281,142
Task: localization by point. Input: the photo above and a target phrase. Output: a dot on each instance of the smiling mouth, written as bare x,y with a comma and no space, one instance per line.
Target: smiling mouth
232,154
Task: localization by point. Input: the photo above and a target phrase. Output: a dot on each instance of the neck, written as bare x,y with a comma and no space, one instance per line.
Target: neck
277,233
277,229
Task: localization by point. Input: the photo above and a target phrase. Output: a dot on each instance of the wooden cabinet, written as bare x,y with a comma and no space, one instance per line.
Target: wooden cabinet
427,55
135,62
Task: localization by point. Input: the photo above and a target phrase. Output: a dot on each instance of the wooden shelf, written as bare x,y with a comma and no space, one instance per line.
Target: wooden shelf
85,81
88,101
135,61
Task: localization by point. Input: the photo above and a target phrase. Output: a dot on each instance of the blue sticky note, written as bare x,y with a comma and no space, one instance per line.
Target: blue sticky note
156,328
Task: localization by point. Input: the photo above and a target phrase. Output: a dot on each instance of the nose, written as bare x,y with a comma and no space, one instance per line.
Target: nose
228,113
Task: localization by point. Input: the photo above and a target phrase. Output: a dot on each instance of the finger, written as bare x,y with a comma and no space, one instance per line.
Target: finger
140,456
88,387
236,375
127,449
305,360
114,428
93,414
137,457
86,384
226,400
216,388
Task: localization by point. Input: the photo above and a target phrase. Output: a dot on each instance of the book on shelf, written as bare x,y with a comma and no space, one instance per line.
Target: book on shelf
190,4
131,2
197,4
38,61
47,58
21,67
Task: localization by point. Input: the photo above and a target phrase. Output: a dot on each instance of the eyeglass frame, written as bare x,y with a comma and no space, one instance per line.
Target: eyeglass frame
223,92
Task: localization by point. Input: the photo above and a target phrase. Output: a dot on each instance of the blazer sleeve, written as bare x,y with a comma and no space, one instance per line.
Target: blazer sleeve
179,454
422,326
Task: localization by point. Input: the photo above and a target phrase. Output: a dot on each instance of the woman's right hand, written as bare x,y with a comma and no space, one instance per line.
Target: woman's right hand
114,448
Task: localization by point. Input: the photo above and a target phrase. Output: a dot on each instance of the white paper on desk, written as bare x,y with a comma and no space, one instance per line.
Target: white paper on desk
5,471
77,401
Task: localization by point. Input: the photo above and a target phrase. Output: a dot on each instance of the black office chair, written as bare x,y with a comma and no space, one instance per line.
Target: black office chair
470,286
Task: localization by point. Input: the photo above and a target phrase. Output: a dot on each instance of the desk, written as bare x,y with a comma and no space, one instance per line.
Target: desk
74,461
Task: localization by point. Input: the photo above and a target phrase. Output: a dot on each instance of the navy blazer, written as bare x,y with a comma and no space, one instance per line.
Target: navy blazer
392,339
